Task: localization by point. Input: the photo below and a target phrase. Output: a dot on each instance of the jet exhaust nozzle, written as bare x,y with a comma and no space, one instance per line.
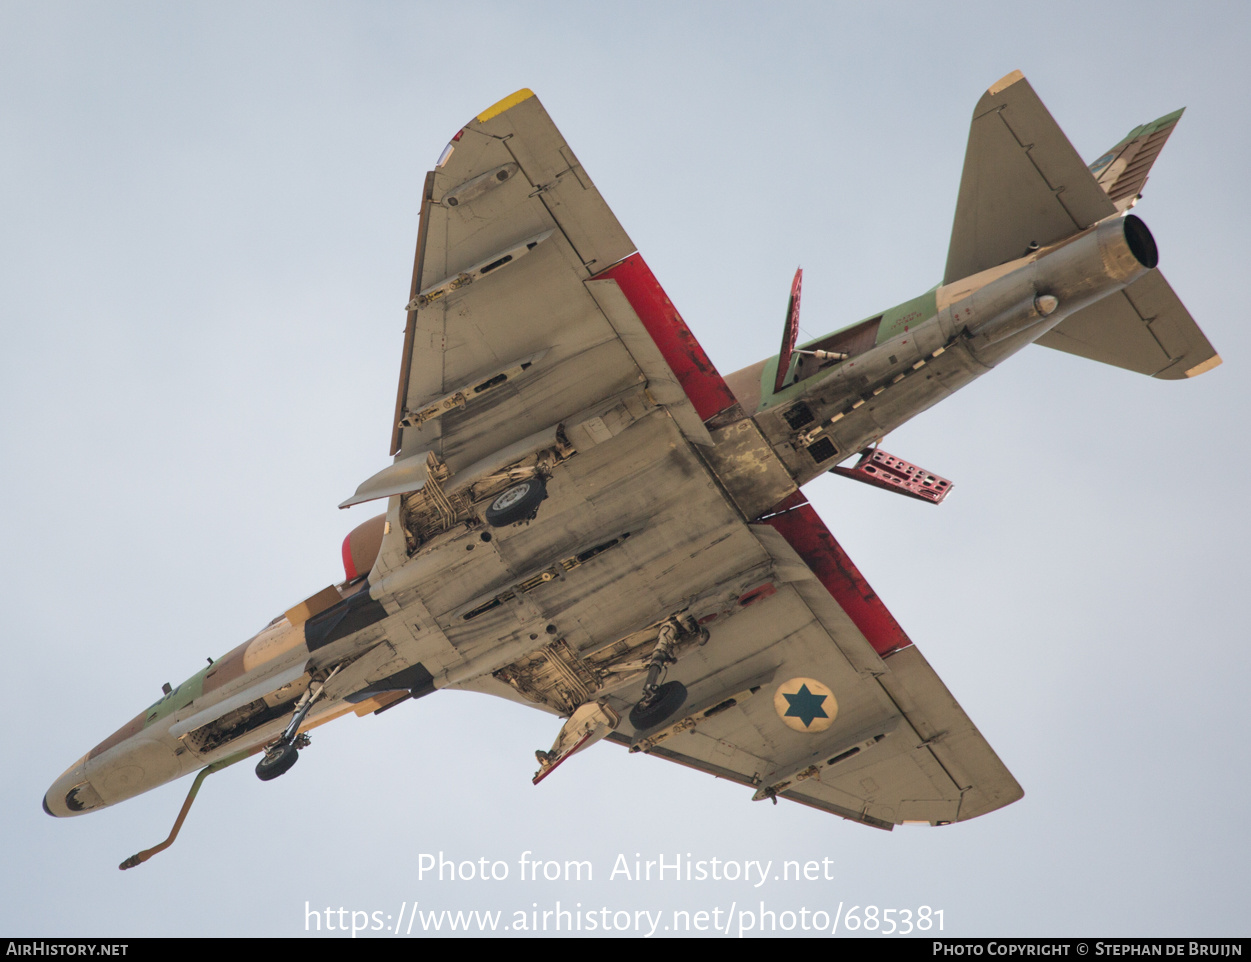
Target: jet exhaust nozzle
1062,279
1140,242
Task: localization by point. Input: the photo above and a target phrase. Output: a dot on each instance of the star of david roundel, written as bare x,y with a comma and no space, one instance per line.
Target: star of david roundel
805,705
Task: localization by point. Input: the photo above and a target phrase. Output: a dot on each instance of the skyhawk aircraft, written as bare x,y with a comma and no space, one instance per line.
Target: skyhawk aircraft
584,516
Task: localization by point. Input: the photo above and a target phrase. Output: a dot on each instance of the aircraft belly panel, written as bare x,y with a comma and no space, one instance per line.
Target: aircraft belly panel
853,418
610,487
663,550
748,468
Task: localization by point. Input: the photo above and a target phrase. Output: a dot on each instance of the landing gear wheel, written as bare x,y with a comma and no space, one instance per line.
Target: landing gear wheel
669,698
519,503
276,761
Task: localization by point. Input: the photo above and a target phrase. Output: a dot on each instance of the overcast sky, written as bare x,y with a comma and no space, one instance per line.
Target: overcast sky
208,213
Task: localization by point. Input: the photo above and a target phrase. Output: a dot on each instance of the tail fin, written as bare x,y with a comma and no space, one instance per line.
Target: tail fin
1023,186
1123,170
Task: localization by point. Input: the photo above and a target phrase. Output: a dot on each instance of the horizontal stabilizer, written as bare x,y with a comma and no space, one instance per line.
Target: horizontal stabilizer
1144,328
1123,170
1023,186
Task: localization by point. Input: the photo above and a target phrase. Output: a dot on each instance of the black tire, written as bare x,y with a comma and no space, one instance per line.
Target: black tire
519,503
669,698
277,762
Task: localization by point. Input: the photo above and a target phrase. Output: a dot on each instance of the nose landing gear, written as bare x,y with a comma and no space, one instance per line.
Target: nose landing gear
279,758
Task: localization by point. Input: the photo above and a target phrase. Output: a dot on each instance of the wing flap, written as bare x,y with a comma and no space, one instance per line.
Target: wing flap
661,380
804,530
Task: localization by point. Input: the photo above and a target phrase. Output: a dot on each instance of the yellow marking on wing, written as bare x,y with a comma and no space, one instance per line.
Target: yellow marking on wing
1213,361
525,93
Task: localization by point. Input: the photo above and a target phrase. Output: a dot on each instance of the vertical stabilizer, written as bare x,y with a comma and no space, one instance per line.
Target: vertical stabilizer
1023,186
1123,170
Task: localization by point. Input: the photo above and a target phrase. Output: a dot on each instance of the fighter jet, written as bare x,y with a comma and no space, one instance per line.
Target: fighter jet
584,516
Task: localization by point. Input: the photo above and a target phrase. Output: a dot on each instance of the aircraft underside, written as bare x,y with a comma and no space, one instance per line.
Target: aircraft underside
584,517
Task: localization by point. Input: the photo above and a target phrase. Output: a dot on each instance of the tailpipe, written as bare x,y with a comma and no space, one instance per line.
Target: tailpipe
1057,281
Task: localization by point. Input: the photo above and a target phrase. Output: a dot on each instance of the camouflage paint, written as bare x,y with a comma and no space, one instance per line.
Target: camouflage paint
902,318
891,323
132,727
180,697
1144,130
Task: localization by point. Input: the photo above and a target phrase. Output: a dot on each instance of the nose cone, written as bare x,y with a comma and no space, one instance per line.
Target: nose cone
72,793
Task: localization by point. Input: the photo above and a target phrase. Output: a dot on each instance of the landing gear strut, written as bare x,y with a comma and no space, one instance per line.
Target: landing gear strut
659,701
282,754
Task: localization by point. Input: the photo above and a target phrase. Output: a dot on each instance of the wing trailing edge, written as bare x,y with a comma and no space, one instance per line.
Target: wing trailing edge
802,527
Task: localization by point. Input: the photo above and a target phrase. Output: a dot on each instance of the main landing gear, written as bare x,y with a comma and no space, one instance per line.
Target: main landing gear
519,503
593,720
659,702
283,754
657,705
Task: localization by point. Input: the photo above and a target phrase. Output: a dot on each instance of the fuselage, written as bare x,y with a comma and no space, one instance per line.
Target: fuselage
449,610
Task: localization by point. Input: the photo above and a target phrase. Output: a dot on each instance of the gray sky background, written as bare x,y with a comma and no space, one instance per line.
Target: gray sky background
207,218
